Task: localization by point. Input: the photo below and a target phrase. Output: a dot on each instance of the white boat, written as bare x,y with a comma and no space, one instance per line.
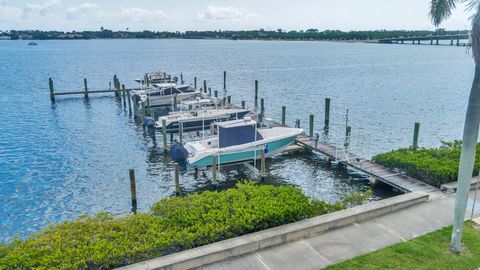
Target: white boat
237,141
165,94
199,118
159,76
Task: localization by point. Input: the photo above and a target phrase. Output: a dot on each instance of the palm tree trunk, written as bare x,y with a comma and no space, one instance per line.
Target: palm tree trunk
467,159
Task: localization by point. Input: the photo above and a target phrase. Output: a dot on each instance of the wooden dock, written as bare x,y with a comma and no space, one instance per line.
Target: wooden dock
376,171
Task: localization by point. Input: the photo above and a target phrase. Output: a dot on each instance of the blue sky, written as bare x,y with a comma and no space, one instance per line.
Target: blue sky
181,15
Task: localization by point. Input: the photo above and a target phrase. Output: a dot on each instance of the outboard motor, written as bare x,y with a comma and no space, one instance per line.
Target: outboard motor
149,122
179,153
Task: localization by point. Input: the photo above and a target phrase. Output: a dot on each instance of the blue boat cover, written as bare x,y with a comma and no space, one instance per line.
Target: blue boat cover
230,136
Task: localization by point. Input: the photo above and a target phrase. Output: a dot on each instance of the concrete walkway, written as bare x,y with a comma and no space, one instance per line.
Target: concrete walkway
353,240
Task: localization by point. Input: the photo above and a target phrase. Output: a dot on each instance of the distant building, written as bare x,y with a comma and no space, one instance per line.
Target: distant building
25,36
70,36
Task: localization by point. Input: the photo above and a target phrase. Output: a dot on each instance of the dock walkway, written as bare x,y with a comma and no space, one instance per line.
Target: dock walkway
350,241
374,170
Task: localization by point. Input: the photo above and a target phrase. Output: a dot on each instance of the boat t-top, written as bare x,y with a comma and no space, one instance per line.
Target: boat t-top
159,76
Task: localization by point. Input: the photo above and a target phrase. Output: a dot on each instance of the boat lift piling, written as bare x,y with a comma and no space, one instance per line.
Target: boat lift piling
164,135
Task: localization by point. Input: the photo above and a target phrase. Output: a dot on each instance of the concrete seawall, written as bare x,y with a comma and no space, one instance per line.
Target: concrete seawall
279,235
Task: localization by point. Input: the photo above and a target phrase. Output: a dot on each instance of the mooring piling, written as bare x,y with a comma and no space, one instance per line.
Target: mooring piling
177,179
174,105
209,91
52,92
215,93
115,83
225,83
256,94
297,123
133,190
243,104
129,103
310,130
229,99
416,131
195,82
284,111
181,79
164,135
205,86
124,95
327,114
143,109
85,88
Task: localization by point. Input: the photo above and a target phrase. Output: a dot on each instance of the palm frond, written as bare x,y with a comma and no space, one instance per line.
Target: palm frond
442,9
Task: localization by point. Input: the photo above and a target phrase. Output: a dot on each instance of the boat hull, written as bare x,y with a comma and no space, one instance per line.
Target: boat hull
271,148
199,124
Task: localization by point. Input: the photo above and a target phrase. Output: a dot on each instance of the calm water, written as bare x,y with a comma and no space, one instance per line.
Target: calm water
72,157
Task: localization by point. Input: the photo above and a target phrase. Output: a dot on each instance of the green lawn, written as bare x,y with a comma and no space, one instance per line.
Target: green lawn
426,252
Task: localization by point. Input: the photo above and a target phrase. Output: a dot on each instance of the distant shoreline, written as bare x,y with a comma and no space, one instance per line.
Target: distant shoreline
263,35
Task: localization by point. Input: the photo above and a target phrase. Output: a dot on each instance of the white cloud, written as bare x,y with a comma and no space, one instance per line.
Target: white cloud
84,11
218,13
40,8
9,12
141,15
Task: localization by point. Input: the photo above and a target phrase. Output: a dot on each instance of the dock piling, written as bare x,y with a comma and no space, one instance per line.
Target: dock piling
224,83
143,109
327,114
85,88
181,79
416,131
124,95
243,104
210,91
115,84
195,82
129,103
297,123
284,112
215,93
133,190
177,179
229,99
262,165
52,92
164,134
256,94
205,86
214,169
310,133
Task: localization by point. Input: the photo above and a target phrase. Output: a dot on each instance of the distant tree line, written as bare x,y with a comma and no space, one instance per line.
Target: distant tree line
261,34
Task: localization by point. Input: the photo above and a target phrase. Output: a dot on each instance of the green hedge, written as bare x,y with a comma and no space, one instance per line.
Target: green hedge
173,224
435,166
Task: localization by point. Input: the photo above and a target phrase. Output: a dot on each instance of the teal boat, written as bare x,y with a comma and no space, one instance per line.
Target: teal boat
237,141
